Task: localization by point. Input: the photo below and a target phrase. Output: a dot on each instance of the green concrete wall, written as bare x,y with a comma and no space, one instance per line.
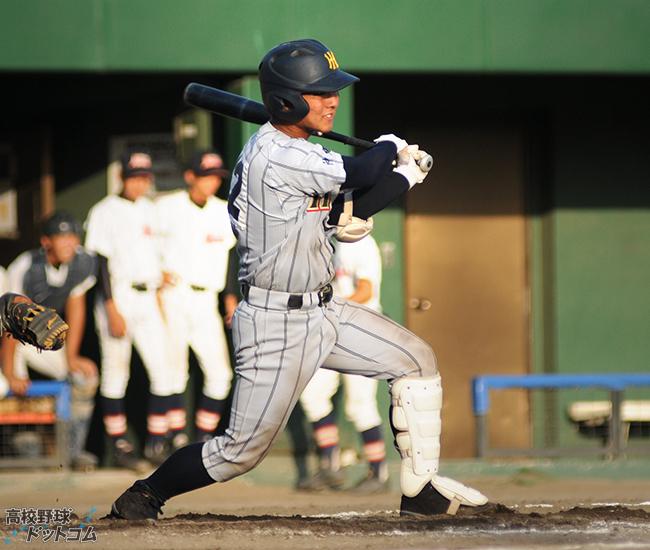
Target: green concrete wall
368,35
591,259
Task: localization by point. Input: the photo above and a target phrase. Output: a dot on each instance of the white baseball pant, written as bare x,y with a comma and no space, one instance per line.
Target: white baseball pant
145,329
193,320
360,402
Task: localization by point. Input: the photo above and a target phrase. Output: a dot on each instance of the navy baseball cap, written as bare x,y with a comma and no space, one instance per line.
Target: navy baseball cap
136,163
208,163
61,222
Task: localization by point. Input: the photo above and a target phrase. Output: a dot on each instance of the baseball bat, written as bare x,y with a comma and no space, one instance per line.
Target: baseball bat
238,107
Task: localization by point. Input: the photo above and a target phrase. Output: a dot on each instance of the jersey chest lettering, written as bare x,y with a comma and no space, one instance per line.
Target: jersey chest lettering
211,238
320,203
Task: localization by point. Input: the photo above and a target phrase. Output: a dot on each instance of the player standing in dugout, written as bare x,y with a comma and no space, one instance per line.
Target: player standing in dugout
195,239
287,199
120,230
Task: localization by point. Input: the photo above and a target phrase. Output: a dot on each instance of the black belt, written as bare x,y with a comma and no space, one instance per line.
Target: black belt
140,287
294,301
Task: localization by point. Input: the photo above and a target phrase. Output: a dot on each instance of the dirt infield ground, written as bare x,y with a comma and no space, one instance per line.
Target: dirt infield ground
261,511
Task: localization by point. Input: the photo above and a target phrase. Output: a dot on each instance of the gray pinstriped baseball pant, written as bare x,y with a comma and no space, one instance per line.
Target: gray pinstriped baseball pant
277,353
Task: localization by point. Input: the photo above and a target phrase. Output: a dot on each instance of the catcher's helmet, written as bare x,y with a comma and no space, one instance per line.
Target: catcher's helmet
61,222
295,68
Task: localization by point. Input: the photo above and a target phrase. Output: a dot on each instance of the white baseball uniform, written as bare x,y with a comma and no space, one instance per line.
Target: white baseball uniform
194,244
352,261
123,231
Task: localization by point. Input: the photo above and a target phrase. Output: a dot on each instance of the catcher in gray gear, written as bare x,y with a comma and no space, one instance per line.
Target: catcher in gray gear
288,198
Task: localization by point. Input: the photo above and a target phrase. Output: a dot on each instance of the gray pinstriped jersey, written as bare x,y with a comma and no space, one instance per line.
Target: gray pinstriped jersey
280,199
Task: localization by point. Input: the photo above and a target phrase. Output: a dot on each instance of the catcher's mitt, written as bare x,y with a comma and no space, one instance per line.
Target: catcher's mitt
32,323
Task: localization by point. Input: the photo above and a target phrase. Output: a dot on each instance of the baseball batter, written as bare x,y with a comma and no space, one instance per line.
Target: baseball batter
120,230
58,275
358,278
287,199
195,241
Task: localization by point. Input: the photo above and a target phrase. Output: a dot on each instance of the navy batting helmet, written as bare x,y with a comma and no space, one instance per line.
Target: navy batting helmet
295,68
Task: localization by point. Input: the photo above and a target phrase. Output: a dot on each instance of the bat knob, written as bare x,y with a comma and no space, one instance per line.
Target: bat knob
425,163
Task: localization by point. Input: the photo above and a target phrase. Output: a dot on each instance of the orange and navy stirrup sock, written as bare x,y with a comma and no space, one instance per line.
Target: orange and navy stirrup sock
114,416
208,414
374,449
157,424
326,436
176,416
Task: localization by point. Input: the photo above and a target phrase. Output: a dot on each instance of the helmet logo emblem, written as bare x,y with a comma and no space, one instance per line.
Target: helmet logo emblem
331,60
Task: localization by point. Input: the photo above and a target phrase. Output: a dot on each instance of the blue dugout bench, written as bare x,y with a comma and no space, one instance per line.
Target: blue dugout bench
616,384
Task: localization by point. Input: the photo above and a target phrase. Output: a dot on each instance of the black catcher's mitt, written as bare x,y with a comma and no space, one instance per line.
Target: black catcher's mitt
32,323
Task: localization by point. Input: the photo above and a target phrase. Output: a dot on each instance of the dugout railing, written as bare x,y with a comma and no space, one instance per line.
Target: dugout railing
34,427
615,384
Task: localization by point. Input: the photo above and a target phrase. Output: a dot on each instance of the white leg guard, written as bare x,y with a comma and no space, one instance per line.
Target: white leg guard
416,417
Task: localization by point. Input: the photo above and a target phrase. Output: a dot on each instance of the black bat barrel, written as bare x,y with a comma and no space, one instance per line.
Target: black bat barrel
225,103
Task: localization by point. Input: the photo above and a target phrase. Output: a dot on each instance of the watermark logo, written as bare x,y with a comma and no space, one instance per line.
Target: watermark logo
48,525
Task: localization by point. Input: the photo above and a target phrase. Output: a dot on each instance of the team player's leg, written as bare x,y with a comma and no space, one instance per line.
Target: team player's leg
372,345
316,401
361,410
115,368
149,335
208,340
177,327
177,420
278,352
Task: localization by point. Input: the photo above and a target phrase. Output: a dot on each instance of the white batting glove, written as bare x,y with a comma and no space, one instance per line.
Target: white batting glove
399,142
411,171
417,153
406,154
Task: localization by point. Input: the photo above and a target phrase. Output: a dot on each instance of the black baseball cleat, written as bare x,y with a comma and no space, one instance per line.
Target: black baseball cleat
124,457
138,502
371,485
431,501
428,502
325,478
